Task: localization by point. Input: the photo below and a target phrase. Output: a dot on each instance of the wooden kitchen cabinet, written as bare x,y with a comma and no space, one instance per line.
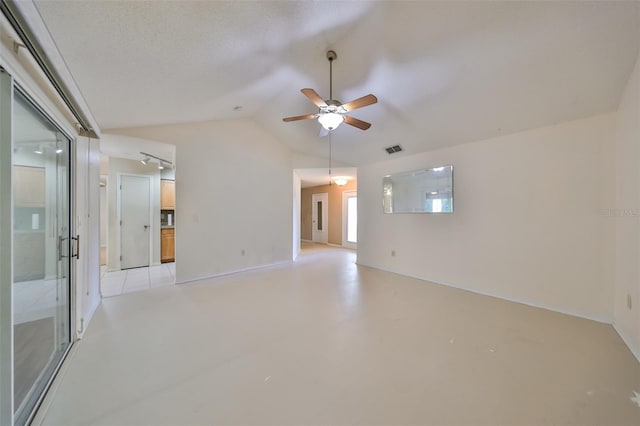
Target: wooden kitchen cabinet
167,194
167,245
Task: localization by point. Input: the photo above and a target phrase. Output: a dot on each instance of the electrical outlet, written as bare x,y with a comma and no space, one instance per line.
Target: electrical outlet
629,305
393,253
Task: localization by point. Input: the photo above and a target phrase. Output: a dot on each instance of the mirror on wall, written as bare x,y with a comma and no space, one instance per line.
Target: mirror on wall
419,191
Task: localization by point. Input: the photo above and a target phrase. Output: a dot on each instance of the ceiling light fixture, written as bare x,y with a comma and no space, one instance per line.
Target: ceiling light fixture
330,120
341,180
162,163
59,151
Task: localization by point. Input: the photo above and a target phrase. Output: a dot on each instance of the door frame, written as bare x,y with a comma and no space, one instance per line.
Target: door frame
104,219
345,196
324,197
118,245
6,248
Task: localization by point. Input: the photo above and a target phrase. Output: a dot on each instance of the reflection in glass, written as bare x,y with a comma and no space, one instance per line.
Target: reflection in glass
420,191
41,311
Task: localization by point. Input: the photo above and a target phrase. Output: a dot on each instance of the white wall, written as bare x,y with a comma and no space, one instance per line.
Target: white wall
297,194
233,192
88,228
626,214
120,166
528,223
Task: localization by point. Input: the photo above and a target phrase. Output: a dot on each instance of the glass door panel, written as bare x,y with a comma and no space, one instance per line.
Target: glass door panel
41,247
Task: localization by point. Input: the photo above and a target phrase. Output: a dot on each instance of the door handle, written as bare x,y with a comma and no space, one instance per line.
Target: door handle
77,240
60,240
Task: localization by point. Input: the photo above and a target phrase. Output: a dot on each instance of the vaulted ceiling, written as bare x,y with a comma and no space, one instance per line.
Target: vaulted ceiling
445,73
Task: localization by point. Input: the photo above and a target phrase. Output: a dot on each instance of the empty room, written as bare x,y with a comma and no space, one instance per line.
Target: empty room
319,212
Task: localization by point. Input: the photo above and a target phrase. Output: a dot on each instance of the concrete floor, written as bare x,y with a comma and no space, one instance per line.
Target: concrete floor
324,341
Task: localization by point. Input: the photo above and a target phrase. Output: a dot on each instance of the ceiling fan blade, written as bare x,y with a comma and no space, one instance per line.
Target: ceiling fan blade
362,125
360,102
314,97
300,117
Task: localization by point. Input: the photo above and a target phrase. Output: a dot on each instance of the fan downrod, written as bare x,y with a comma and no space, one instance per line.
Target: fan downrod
331,56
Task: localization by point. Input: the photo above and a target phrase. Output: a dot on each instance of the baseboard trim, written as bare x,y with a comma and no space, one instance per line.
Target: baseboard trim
634,349
318,242
596,318
236,271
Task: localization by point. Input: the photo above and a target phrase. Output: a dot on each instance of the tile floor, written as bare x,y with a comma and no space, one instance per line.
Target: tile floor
116,283
323,340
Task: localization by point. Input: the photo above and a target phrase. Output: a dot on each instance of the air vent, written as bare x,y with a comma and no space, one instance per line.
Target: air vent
393,149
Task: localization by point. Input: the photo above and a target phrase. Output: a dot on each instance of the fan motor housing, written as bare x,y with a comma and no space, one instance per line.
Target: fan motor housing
333,106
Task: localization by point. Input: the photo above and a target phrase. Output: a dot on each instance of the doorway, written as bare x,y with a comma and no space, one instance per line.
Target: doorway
350,219
135,221
320,218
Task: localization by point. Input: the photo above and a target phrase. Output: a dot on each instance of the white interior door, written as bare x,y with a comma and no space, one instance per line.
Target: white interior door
135,221
350,219
320,218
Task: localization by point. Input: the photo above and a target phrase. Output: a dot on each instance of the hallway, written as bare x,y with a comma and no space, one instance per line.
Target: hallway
325,341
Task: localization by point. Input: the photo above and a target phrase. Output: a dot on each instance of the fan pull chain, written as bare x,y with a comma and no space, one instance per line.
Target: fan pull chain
330,138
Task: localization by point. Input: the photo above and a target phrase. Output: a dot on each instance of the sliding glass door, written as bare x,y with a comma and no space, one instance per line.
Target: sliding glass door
41,225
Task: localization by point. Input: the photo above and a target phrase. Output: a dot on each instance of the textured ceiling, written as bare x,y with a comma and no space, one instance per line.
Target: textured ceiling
445,73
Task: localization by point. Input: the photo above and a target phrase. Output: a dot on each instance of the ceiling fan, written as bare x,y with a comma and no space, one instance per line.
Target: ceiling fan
332,112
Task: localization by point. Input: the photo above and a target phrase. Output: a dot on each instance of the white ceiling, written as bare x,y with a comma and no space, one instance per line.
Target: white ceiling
129,147
445,73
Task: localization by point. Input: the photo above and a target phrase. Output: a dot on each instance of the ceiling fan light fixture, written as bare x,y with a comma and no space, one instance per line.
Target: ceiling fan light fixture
341,180
332,112
330,120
